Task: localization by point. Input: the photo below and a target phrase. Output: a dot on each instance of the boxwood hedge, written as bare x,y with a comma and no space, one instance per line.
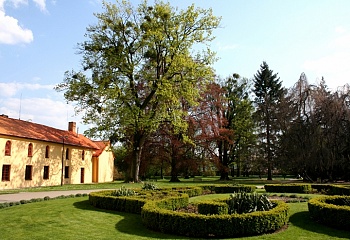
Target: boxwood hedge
159,216
288,188
333,211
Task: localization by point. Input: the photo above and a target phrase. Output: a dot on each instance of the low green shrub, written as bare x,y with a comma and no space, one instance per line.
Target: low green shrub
123,192
288,188
159,216
149,186
212,207
339,190
333,211
248,202
234,188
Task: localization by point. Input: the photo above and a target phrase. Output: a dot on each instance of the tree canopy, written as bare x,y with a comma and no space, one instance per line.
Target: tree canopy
139,65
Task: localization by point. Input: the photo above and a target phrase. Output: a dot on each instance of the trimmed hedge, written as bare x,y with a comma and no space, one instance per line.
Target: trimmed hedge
133,204
288,188
331,211
105,200
212,207
159,216
234,188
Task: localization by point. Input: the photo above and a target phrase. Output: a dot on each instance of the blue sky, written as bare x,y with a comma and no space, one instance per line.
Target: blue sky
38,40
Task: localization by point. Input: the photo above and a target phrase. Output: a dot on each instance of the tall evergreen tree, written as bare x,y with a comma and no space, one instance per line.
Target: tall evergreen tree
268,93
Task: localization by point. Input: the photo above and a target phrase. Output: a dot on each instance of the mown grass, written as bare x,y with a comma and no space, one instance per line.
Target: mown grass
74,218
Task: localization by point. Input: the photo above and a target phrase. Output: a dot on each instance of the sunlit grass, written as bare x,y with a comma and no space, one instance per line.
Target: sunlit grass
74,218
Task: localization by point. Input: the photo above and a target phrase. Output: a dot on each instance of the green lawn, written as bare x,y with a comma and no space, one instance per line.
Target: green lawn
74,218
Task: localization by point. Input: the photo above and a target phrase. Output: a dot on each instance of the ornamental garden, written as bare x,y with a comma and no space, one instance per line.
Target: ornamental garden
244,212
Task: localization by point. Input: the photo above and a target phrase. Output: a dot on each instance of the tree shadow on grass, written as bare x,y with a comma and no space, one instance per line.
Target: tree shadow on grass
303,220
130,224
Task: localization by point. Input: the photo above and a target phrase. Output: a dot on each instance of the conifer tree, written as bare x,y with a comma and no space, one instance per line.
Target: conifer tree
268,92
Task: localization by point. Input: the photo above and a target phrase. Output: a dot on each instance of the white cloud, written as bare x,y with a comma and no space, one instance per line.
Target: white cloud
41,4
11,32
10,89
333,66
44,111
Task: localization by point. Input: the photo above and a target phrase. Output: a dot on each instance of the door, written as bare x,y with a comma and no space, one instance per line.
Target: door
82,173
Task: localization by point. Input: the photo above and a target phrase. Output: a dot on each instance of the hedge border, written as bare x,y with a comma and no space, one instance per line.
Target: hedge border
33,200
288,188
157,216
326,211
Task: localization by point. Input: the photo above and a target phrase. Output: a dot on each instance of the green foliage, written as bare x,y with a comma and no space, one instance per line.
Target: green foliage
158,216
333,211
268,92
149,186
139,67
124,192
234,188
212,207
248,202
288,188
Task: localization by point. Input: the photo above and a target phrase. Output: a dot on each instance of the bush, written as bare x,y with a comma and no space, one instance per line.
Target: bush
234,188
288,188
123,192
248,202
149,186
212,207
333,211
158,216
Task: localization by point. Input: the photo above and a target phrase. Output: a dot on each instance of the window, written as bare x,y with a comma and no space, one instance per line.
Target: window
67,154
6,169
47,152
82,173
66,172
30,150
46,172
28,173
83,155
8,148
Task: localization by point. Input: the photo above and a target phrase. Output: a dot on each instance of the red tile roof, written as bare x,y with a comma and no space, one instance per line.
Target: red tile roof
29,130
101,145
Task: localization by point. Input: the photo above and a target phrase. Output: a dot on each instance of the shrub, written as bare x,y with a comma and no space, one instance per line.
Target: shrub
234,188
248,202
333,211
149,186
157,215
124,192
212,207
288,188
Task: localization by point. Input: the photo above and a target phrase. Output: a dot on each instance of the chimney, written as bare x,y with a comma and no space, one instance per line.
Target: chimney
72,127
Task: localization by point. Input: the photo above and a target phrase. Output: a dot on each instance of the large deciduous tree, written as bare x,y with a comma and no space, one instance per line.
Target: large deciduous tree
138,65
268,94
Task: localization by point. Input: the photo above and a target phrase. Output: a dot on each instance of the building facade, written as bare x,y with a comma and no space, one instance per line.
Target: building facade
34,155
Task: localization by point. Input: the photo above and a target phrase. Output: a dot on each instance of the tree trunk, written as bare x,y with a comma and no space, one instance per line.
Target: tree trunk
139,139
174,173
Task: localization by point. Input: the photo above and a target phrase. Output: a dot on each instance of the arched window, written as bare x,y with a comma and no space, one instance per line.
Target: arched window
83,155
30,150
8,148
47,152
67,154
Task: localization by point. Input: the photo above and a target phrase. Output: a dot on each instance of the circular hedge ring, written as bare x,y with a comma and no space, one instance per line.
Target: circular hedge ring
333,211
160,216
